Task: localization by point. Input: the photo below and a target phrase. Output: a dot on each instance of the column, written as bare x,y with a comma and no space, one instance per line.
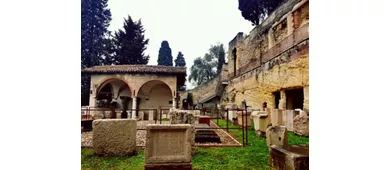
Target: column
174,103
283,100
290,24
306,98
92,100
92,97
134,106
271,40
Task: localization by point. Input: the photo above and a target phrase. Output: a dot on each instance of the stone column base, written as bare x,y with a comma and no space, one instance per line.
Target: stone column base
169,166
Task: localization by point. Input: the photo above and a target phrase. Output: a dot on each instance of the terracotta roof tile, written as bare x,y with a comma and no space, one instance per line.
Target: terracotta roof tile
135,69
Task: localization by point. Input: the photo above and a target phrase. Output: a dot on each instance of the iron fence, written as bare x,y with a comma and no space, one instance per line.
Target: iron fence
158,116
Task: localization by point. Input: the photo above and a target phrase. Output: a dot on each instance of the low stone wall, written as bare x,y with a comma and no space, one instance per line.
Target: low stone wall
169,145
114,136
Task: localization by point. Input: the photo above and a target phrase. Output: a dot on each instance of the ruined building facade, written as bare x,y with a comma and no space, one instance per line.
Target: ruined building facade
270,65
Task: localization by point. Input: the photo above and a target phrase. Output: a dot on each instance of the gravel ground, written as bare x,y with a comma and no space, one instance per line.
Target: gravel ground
86,137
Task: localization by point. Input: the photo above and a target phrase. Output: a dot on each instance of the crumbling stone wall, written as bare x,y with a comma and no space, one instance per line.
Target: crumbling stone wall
273,57
256,87
201,90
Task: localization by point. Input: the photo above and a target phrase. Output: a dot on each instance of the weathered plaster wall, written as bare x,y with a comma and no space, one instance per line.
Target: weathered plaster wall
159,97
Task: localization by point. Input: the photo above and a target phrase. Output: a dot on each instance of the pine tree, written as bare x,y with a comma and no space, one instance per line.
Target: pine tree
165,54
180,61
130,44
95,19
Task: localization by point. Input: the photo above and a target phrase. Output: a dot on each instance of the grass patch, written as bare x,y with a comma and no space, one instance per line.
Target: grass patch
91,161
251,157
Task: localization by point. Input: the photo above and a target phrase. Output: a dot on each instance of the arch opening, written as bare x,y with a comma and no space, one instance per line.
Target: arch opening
112,93
155,94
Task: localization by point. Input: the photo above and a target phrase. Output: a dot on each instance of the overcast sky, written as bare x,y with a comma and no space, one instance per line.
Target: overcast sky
190,26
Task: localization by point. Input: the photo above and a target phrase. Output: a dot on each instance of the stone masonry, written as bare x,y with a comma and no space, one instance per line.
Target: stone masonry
272,58
169,145
114,136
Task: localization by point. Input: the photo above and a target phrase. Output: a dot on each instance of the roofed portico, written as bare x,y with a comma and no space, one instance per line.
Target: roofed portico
153,87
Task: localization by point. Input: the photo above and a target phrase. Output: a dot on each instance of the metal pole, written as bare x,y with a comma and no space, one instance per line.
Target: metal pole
227,121
218,117
155,120
246,125
160,116
243,132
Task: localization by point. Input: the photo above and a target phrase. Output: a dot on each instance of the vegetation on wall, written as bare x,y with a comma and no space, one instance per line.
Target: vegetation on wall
256,11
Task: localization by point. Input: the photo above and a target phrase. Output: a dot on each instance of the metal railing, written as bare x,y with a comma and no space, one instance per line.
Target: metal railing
214,114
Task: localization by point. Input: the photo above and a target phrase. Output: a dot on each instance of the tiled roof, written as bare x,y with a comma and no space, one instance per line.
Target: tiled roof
135,69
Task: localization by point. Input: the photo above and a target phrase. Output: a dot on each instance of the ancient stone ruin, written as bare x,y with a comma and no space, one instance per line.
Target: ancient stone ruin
169,146
301,125
282,155
114,137
277,135
292,157
182,117
261,122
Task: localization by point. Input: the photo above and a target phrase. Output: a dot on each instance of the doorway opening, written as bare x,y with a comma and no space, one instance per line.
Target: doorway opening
294,99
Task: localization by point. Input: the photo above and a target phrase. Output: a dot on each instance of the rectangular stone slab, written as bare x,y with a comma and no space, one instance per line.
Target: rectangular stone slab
292,157
169,143
114,136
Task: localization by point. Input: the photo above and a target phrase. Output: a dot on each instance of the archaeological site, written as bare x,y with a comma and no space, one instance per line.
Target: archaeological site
252,114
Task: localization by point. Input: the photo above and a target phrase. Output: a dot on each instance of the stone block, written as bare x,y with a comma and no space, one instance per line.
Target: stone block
289,158
277,117
243,119
167,143
256,118
264,123
141,115
277,135
290,115
114,136
301,125
232,114
182,117
97,114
